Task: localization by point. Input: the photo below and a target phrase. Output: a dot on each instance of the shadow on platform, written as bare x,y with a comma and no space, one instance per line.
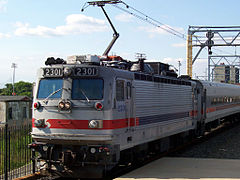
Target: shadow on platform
186,168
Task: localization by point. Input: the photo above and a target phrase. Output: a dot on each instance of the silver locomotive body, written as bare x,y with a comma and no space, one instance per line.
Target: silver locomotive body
87,117
73,122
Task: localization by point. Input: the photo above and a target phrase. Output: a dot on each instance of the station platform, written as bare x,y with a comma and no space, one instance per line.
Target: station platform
186,168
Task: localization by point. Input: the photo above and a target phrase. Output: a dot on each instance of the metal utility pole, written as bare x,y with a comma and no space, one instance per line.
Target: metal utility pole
14,66
179,65
210,37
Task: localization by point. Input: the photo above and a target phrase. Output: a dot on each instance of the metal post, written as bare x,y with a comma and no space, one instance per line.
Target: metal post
208,67
14,65
212,74
6,153
9,153
179,65
189,54
33,161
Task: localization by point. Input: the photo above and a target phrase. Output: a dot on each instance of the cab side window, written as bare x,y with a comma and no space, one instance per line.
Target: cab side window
128,90
120,90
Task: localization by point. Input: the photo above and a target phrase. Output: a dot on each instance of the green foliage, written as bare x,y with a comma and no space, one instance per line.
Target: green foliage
18,152
21,88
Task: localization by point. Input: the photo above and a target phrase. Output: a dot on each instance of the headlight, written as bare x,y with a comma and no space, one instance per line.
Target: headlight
39,122
93,124
67,71
61,105
67,105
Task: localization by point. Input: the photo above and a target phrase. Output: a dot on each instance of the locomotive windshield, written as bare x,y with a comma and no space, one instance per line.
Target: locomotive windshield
48,87
91,89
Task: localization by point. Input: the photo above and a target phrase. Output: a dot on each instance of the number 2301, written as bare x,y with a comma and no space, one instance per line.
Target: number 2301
84,71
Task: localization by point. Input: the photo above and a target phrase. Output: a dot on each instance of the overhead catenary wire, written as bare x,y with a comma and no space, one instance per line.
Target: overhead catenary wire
142,16
156,23
151,21
170,28
138,14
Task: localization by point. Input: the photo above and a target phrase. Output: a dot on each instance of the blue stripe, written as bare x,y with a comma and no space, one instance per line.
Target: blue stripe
161,118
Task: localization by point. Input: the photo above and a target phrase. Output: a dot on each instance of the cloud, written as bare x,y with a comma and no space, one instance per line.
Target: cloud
75,24
3,5
163,29
124,17
2,35
179,45
152,30
172,61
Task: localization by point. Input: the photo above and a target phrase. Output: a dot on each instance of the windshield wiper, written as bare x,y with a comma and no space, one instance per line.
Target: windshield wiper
84,95
54,92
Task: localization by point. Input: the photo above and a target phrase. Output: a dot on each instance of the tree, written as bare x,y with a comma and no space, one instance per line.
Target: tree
21,88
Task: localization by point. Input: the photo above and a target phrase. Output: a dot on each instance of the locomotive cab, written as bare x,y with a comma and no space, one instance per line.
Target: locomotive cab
73,120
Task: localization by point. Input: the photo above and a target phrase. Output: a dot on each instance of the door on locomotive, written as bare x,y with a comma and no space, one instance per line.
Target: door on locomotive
124,103
200,107
129,105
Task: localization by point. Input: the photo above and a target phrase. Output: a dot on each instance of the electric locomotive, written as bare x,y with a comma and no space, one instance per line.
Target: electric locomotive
92,113
85,112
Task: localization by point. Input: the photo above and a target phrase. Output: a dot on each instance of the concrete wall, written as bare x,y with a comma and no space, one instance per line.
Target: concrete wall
17,112
2,112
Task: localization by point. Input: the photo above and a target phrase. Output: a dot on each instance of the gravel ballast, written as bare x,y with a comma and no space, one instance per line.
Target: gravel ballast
225,145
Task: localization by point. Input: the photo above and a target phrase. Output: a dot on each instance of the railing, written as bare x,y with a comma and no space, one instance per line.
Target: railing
15,156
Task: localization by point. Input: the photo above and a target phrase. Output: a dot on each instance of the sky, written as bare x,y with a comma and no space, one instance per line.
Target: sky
32,30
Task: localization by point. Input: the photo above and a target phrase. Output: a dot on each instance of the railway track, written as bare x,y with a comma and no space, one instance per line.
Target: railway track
124,169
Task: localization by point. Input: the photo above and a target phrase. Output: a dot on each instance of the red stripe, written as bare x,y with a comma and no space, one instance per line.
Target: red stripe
113,124
218,108
227,106
213,109
83,124
193,113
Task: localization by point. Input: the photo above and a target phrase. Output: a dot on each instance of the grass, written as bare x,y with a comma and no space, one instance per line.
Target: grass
18,153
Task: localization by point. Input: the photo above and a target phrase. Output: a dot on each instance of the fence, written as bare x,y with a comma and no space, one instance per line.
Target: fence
15,156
